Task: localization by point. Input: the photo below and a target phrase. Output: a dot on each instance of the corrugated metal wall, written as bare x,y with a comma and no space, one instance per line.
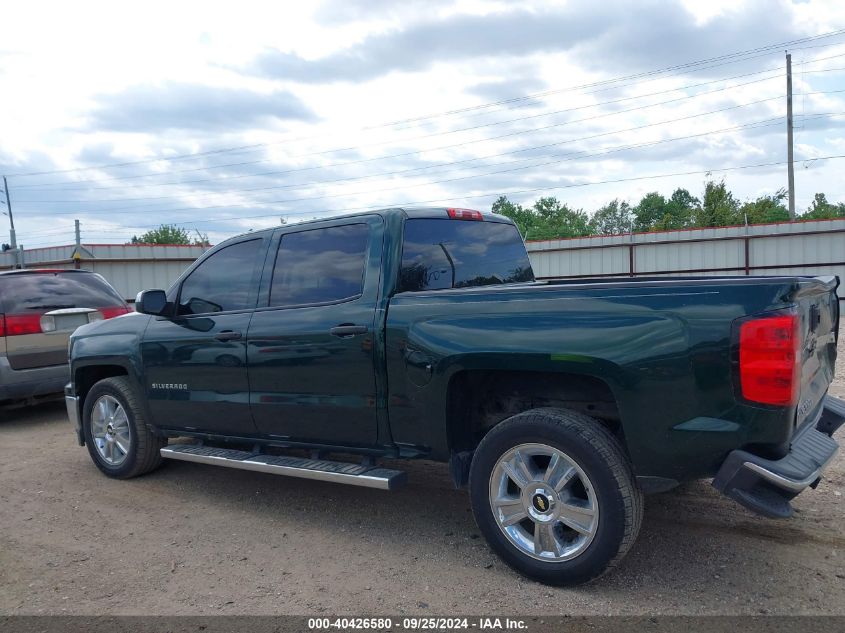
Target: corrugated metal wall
789,248
129,268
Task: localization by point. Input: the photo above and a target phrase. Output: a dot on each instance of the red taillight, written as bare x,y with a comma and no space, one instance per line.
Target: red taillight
19,324
769,363
464,214
109,313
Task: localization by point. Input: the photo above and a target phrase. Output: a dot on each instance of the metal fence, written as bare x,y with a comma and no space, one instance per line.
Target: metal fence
815,247
130,268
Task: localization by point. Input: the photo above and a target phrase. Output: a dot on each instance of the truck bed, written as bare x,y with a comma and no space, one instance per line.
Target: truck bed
654,344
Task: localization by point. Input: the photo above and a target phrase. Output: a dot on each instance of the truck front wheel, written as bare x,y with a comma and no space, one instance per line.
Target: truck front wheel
554,495
116,433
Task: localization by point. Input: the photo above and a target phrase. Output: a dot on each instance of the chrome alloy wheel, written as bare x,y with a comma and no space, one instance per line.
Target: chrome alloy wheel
543,502
110,430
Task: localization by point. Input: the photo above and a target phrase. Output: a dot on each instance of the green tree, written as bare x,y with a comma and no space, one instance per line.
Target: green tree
523,218
718,206
614,218
821,209
656,213
547,219
650,211
555,220
680,210
766,209
169,234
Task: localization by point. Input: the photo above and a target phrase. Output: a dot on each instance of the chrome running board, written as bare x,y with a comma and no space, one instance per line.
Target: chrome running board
319,469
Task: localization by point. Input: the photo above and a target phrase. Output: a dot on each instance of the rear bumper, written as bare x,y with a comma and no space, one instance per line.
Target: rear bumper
767,486
19,384
72,405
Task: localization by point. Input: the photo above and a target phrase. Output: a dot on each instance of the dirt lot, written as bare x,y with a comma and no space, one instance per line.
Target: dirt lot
191,539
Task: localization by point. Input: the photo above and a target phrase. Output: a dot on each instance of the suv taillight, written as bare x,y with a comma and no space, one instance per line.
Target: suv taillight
18,324
769,360
111,312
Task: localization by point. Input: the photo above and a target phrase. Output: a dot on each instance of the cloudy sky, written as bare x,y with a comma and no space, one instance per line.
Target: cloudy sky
222,117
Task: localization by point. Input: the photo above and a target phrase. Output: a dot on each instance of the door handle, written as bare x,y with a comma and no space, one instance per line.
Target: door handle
347,330
227,335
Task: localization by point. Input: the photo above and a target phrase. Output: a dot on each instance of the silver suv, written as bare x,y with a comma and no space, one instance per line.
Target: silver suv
39,309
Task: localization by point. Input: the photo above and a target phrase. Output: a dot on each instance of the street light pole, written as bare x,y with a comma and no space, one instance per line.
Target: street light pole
11,220
11,217
790,169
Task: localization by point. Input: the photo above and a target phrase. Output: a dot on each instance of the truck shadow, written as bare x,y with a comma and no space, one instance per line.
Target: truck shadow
690,537
22,414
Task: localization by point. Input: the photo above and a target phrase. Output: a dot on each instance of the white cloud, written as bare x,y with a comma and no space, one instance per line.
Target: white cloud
312,83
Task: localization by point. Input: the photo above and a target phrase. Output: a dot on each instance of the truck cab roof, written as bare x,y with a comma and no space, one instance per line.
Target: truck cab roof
403,212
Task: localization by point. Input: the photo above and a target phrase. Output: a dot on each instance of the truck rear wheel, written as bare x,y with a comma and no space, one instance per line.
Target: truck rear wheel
116,433
554,495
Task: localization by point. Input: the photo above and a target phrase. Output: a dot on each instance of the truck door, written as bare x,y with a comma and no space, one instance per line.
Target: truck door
310,350
195,360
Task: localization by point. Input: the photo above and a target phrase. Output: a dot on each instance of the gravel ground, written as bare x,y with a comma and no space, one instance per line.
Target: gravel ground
191,539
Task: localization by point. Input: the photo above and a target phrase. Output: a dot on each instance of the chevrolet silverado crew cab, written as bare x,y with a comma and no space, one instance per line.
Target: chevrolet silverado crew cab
422,334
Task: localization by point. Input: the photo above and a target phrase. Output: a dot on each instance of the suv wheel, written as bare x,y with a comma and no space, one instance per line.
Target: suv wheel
118,438
554,495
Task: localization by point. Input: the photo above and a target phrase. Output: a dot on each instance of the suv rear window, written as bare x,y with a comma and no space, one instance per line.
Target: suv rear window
42,292
443,253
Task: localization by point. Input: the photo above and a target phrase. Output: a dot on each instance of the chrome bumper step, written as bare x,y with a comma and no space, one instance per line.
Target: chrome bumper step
768,486
319,469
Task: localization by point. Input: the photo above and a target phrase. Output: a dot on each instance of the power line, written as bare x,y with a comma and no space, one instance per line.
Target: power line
546,127
357,178
403,154
670,69
518,119
763,123
136,208
498,193
564,158
276,213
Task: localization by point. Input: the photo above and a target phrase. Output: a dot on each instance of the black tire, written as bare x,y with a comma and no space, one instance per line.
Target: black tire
598,453
143,454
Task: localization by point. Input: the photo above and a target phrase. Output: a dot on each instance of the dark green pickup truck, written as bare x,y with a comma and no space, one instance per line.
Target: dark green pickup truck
422,334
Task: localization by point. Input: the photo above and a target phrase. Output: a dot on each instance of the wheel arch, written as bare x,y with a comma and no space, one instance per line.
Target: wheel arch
477,400
86,375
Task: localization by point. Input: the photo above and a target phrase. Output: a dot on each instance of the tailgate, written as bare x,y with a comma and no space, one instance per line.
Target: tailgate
818,308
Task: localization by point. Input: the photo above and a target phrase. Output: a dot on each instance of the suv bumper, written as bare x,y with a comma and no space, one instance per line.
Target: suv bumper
19,384
72,405
767,486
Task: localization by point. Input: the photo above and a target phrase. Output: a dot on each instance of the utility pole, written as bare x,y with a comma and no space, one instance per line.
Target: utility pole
12,236
790,166
76,252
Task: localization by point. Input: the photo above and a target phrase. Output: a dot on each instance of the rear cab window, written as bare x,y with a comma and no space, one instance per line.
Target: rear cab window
445,253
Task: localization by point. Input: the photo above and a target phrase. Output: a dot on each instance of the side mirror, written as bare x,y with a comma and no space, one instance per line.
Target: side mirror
151,302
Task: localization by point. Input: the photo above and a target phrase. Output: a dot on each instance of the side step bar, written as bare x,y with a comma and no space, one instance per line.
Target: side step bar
319,469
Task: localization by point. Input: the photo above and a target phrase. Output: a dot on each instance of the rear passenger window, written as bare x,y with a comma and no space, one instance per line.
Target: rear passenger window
222,282
320,266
